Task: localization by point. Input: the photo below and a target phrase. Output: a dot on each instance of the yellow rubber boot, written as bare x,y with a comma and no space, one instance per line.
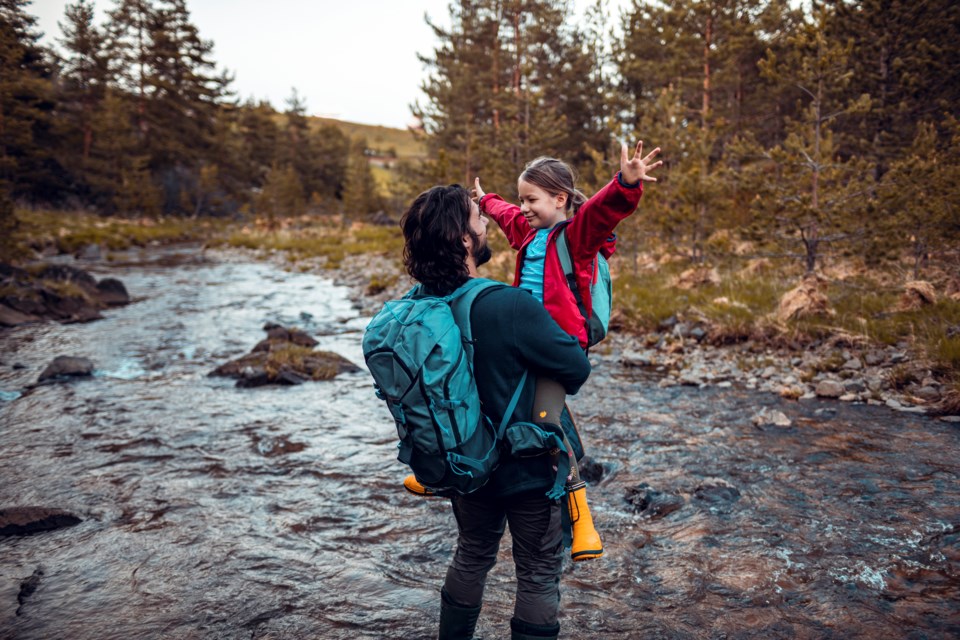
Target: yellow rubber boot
410,484
586,540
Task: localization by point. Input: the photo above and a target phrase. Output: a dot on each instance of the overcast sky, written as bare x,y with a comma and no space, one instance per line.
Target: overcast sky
355,60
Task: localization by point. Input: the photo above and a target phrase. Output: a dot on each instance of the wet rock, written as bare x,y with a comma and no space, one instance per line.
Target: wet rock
11,317
950,419
286,357
848,397
591,470
55,291
717,493
28,586
89,252
771,417
19,521
283,334
652,503
65,367
667,382
829,389
112,293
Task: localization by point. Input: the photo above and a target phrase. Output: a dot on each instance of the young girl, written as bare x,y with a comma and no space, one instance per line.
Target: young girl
547,196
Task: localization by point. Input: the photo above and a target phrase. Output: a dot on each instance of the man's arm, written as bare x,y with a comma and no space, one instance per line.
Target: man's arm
546,349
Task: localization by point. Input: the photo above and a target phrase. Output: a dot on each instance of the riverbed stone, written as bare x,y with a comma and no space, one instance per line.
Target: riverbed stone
771,417
651,503
848,397
19,521
112,293
873,358
829,389
591,470
65,367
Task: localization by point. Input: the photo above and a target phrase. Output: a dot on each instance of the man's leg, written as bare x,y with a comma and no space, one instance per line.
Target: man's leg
480,525
538,554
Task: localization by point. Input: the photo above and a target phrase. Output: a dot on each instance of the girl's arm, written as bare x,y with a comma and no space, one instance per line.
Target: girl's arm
598,217
506,215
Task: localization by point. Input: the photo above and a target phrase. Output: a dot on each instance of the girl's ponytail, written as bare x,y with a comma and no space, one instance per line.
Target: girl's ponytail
576,199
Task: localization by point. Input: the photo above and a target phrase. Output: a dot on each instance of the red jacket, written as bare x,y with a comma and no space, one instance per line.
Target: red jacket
588,232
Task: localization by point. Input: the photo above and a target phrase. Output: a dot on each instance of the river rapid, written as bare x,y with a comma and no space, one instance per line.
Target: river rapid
216,512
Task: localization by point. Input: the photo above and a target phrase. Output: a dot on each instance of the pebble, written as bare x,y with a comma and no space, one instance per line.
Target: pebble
848,397
952,419
853,364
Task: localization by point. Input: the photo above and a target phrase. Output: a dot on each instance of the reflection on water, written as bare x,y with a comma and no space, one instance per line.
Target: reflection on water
216,512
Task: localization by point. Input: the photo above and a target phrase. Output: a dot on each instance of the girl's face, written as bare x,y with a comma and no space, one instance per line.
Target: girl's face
541,209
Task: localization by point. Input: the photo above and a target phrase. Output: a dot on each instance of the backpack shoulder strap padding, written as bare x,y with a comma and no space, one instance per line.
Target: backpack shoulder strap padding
461,303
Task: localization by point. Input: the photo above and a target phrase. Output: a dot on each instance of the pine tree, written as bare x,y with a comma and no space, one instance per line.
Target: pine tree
83,80
907,60
813,195
27,166
510,80
360,195
922,193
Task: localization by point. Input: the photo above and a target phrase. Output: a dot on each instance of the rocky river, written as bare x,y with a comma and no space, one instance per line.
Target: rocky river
211,511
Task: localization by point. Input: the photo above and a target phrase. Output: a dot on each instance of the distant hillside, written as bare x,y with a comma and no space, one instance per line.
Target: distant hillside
379,139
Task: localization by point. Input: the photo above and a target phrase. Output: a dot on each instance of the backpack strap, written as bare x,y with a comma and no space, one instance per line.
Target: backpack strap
461,302
566,261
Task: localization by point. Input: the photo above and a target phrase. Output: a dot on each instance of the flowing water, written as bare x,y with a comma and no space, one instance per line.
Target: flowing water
216,512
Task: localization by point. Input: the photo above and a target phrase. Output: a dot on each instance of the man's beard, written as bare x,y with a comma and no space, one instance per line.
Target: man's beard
481,252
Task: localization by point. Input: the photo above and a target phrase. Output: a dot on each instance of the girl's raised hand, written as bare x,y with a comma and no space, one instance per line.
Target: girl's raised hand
477,191
638,168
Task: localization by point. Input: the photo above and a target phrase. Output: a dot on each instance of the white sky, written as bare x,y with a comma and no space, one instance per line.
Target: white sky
354,60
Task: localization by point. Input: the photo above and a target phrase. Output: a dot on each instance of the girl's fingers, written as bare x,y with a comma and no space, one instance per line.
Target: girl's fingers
639,149
651,155
623,154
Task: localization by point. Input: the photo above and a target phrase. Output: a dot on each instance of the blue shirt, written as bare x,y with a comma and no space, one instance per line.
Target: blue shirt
531,275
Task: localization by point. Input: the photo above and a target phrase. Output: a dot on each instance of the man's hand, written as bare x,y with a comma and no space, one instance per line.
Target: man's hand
637,168
477,191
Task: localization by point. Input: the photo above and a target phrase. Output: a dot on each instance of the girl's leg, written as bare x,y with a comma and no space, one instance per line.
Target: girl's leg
547,405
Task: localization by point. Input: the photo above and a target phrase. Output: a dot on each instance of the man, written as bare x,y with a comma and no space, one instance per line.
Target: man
445,241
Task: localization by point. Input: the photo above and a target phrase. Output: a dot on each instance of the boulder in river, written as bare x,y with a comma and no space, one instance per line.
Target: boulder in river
66,367
19,521
55,291
285,357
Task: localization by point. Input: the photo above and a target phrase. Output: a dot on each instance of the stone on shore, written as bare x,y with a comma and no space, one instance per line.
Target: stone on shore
652,503
803,301
829,389
771,417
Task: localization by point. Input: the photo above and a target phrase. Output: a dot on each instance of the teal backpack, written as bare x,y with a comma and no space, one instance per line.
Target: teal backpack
419,350
601,291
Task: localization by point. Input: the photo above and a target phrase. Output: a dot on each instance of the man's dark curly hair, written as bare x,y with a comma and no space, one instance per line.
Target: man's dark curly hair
433,230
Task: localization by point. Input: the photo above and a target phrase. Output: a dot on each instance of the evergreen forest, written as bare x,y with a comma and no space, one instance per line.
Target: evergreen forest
799,130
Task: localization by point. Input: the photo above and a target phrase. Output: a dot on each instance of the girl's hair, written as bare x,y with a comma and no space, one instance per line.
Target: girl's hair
433,230
555,177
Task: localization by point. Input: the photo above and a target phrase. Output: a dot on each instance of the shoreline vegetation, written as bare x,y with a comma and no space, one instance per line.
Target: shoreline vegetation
849,332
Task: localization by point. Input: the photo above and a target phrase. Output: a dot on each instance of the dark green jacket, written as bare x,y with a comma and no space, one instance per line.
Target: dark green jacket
513,333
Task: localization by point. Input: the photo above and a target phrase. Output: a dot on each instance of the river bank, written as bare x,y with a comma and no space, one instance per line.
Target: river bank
842,367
